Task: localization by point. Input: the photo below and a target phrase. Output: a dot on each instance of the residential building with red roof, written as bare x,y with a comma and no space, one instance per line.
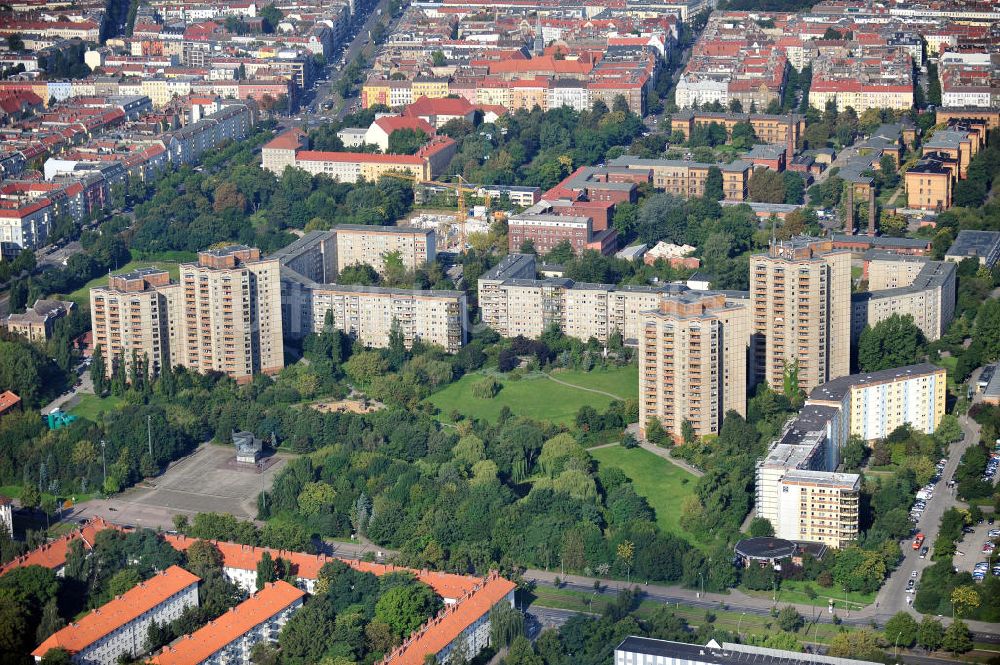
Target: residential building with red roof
231,636
382,128
9,402
53,555
120,627
287,149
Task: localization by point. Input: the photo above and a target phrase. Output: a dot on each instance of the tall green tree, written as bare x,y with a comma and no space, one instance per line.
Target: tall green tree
266,570
893,342
713,184
930,634
766,186
957,638
901,629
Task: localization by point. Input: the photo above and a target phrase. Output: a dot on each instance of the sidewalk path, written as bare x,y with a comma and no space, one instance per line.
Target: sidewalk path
665,454
589,390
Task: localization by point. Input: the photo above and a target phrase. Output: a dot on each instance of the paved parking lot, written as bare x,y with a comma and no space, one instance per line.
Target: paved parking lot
972,546
208,480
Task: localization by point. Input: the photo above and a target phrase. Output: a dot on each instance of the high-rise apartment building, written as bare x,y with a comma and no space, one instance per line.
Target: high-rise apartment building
692,361
224,315
905,285
800,300
876,403
131,318
360,243
231,313
820,507
797,488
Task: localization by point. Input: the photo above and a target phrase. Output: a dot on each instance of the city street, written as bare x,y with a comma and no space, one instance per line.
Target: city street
892,597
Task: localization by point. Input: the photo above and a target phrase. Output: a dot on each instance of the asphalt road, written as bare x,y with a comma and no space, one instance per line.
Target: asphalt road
892,597
323,91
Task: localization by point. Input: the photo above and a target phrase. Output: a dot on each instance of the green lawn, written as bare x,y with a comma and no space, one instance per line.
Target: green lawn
949,363
82,295
620,381
792,591
663,484
91,406
537,396
566,599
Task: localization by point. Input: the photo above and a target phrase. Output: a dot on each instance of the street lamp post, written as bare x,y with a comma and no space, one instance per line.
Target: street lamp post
846,605
739,623
702,578
895,645
149,436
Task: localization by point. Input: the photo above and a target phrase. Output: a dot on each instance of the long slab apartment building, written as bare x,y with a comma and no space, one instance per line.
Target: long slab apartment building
119,628
797,487
909,286
229,639
309,291
692,344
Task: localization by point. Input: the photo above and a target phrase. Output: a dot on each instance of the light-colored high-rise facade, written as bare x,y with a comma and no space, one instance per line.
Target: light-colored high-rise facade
513,302
693,361
223,315
367,313
818,507
876,403
797,487
358,243
906,285
800,299
131,318
231,313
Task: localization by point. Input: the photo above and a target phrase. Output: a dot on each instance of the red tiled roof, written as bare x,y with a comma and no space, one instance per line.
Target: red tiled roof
443,106
289,140
307,566
8,400
216,634
53,555
390,124
443,629
125,608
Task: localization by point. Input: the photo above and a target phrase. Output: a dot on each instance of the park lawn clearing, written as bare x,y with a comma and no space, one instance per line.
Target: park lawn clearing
793,591
92,406
620,381
82,295
732,620
536,396
664,485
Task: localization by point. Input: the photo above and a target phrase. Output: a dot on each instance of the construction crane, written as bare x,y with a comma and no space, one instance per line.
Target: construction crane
461,188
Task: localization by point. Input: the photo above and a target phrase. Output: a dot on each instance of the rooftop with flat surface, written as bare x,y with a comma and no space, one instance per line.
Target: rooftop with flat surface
372,229
881,241
768,547
934,274
140,273
726,654
974,243
823,478
836,389
631,162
